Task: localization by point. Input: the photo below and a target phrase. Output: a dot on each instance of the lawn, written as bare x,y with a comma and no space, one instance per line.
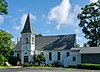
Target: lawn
4,67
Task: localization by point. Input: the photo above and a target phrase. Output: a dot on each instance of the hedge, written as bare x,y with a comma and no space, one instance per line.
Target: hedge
89,66
29,65
13,60
2,59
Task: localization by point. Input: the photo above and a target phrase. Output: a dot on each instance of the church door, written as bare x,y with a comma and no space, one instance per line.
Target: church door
25,59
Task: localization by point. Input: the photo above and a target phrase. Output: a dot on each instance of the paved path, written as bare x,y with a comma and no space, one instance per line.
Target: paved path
44,70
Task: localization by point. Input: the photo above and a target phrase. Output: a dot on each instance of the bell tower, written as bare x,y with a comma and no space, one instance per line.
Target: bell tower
27,42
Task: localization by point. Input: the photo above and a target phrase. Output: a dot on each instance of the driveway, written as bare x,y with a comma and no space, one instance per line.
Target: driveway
45,70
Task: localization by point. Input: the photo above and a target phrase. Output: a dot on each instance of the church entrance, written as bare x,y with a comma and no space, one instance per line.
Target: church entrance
25,59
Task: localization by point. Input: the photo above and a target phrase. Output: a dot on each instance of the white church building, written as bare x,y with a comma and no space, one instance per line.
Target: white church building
59,48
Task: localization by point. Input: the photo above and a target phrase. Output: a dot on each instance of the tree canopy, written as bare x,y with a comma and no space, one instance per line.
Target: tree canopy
3,7
39,58
38,35
90,23
77,45
6,44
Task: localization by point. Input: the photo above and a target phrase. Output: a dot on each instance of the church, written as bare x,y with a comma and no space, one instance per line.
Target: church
59,48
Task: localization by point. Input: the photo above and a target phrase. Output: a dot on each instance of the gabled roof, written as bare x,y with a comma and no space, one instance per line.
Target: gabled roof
18,46
28,26
90,50
60,42
75,49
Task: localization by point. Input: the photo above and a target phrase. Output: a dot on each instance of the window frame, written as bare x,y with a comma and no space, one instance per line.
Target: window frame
59,57
18,55
74,58
50,56
67,54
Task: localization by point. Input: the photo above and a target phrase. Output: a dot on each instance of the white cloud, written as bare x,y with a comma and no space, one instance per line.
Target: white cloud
17,27
62,15
78,38
93,1
77,31
14,20
72,19
48,31
60,12
58,27
22,21
1,19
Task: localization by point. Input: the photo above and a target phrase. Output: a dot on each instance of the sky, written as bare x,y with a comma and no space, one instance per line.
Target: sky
48,17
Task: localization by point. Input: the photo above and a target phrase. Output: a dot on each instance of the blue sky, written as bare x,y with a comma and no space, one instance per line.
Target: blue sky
49,17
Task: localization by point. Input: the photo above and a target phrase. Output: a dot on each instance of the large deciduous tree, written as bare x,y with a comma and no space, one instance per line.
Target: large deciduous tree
6,44
90,23
39,58
3,7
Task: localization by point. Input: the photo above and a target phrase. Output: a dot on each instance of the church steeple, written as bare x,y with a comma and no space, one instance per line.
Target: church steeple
28,26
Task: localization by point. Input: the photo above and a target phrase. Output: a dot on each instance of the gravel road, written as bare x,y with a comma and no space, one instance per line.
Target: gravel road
45,70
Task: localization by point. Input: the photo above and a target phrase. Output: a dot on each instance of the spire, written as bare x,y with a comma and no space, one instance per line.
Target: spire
28,26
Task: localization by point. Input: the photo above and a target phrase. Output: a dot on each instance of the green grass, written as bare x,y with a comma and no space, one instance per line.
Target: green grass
89,66
3,67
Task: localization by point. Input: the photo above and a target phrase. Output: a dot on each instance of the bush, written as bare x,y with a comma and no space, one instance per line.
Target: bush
72,66
47,65
29,65
89,66
2,59
13,60
40,58
56,64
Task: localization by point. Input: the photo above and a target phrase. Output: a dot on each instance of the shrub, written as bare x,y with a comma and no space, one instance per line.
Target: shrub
56,64
89,66
13,60
72,66
47,65
2,59
40,58
28,65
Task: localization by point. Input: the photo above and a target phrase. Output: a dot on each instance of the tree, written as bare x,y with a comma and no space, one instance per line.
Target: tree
6,44
85,45
38,35
90,23
2,59
39,58
3,7
77,45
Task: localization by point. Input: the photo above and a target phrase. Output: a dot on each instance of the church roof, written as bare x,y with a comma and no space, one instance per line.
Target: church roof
28,26
60,42
18,46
